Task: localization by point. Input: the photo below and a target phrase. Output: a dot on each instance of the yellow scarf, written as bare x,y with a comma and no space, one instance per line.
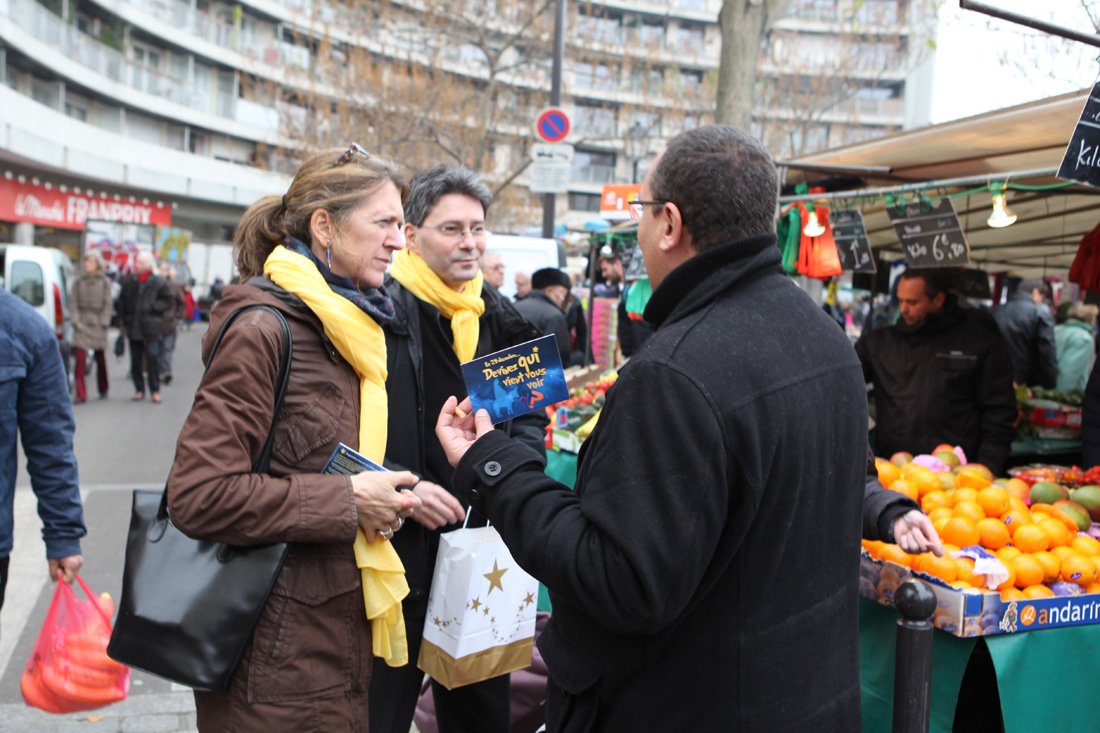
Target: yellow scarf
361,342
464,307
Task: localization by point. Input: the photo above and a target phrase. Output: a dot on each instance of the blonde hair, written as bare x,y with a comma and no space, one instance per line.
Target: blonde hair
336,180
1083,312
96,258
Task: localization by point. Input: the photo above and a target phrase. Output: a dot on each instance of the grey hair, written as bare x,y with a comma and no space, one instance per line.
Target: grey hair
97,258
723,182
427,187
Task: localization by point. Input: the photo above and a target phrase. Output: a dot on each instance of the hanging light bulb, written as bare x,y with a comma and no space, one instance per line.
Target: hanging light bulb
813,227
1002,216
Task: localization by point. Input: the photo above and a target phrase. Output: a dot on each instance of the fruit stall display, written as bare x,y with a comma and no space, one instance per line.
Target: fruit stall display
1049,414
572,420
1008,542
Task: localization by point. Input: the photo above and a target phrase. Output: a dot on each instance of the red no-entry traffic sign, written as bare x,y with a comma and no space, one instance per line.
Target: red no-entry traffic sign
552,125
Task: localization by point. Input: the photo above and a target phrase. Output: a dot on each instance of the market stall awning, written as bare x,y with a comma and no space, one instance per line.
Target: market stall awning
1022,145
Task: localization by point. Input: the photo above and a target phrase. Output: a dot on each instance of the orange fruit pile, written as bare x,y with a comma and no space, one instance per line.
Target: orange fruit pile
1038,544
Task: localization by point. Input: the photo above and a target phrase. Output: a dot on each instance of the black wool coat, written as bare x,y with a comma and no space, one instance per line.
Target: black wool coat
704,574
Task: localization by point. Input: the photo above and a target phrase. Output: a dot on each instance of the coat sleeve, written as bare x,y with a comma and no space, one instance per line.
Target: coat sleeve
997,402
863,351
212,492
46,424
1046,352
108,305
632,543
881,506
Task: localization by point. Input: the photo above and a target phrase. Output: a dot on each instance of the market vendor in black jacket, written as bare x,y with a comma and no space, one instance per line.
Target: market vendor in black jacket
940,375
445,315
704,573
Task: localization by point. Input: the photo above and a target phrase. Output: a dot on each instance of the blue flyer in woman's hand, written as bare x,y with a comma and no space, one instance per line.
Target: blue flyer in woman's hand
516,380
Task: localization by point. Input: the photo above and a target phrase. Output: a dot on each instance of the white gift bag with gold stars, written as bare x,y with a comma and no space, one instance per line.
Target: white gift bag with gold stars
481,610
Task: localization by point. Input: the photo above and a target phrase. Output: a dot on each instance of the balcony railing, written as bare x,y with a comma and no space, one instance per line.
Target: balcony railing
94,56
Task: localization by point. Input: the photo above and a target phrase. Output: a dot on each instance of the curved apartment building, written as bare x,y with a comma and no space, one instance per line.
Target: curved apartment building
180,113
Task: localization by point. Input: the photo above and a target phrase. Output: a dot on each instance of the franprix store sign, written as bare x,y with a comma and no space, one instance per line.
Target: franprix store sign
63,209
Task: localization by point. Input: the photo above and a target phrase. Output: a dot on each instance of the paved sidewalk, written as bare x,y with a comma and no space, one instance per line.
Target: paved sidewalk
170,712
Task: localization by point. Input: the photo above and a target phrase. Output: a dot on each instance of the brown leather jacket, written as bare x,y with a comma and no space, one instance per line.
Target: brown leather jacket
309,661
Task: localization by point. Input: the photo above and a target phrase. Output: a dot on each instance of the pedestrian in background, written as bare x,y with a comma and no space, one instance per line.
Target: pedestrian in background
317,255
1028,329
544,308
523,286
727,462
492,268
147,311
168,344
1075,343
90,306
34,403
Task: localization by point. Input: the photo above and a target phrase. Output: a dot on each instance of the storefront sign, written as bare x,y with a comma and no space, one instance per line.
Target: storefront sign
1081,162
615,198
930,235
67,210
851,241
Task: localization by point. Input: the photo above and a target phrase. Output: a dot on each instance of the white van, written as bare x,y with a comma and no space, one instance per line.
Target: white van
41,276
524,254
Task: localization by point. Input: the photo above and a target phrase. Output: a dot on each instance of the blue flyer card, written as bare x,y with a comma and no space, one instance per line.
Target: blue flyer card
348,462
517,380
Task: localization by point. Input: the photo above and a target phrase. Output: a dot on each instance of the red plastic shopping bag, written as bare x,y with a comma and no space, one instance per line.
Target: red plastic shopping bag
69,669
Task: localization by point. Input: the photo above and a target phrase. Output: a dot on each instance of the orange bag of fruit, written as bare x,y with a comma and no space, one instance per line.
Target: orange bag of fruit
69,669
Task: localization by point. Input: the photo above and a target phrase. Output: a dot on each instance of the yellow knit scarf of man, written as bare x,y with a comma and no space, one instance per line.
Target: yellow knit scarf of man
361,342
463,307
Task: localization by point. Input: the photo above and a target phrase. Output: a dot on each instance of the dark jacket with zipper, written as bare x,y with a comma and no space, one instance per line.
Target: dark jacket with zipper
548,318
704,574
947,381
500,326
147,310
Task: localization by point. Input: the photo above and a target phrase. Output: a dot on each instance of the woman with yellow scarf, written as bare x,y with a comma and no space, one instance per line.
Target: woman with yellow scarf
317,255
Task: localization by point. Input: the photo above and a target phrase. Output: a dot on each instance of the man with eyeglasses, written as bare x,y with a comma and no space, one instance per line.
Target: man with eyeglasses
444,317
703,573
492,267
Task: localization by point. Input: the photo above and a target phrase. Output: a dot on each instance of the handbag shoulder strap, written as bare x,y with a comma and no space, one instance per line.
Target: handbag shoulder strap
281,381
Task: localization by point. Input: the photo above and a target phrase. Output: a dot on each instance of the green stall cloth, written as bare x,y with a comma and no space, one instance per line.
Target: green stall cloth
562,467
1047,680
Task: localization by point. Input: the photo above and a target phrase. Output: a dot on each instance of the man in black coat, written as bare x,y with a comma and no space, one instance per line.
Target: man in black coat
704,573
147,312
1028,328
940,375
446,236
543,307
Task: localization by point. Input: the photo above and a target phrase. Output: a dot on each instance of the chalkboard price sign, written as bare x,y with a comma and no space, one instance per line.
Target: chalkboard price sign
1081,162
851,241
930,235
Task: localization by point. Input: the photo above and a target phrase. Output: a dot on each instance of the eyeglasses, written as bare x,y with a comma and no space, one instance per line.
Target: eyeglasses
350,152
457,233
637,207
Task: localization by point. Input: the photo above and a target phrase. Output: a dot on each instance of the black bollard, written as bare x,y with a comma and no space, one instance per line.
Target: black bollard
913,663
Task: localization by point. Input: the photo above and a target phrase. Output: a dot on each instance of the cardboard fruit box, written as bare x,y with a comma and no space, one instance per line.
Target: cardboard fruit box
978,613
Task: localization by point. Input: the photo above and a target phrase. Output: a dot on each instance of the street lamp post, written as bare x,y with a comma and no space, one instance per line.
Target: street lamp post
635,146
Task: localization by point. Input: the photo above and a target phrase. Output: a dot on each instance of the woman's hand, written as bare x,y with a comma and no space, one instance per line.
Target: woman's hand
382,508
457,429
438,506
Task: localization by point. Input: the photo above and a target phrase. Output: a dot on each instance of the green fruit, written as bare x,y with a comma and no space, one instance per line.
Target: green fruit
1076,512
1002,481
1088,497
948,457
901,458
1047,492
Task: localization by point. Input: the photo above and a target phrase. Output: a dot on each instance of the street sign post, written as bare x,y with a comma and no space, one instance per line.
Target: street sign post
551,164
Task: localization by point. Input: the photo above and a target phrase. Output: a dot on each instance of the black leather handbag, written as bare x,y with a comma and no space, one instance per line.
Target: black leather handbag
188,606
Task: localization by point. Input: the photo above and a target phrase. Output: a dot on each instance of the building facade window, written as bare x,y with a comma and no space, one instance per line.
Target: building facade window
594,166
584,201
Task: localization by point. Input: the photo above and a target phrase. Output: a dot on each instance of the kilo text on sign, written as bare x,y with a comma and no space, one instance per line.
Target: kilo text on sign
1081,162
